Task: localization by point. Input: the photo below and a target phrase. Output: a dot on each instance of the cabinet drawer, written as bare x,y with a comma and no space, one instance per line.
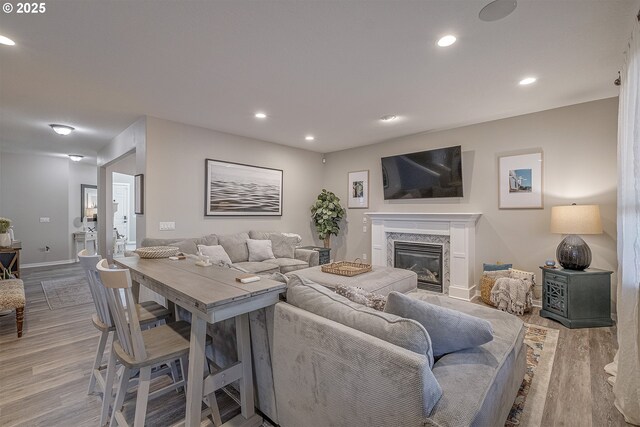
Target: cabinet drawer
555,295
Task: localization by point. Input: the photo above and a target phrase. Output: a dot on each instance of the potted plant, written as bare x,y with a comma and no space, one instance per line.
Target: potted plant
327,213
5,239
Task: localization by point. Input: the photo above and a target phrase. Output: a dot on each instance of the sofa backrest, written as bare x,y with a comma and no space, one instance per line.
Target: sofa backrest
283,244
235,245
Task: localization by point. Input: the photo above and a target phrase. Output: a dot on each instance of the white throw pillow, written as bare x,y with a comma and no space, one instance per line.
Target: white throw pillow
260,250
217,255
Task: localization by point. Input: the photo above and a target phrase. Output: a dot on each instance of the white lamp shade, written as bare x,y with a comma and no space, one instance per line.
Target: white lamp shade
576,219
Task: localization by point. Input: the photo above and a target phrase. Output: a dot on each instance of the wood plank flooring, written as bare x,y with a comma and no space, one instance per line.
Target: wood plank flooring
44,375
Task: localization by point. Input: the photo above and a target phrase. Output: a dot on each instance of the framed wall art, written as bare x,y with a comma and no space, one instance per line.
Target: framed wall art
238,189
139,194
358,190
520,181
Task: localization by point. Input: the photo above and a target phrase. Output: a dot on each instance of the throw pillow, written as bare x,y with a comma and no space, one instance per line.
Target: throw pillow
496,267
359,295
450,330
317,299
259,250
216,254
186,246
284,246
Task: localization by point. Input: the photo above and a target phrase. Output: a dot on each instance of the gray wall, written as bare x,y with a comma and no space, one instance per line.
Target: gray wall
43,186
579,146
174,180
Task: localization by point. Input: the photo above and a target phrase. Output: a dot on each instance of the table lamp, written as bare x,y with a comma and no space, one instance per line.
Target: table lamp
573,253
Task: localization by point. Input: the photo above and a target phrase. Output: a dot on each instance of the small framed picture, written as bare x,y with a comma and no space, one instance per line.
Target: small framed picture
520,181
358,190
139,194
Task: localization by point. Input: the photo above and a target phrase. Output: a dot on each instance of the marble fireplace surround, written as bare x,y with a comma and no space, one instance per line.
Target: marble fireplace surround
459,227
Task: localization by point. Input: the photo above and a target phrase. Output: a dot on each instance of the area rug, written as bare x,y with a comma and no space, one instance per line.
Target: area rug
67,292
528,407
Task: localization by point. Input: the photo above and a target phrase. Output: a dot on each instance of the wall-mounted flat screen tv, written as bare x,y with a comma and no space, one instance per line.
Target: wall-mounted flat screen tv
423,175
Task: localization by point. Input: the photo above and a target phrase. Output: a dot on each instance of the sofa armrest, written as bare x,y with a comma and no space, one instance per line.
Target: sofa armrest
326,373
308,255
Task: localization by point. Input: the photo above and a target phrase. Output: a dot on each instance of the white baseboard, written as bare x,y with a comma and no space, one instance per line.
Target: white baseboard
47,264
465,294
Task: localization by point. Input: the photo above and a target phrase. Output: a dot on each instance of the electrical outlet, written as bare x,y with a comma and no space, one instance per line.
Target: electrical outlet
45,219
364,257
47,248
167,226
364,228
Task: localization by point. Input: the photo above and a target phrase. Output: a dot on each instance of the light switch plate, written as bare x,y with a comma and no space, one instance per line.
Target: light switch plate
167,226
45,219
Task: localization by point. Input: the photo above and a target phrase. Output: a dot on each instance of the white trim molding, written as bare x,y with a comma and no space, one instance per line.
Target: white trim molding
47,264
460,227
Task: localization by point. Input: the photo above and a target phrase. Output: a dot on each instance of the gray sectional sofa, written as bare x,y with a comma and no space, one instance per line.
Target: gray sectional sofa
327,373
288,256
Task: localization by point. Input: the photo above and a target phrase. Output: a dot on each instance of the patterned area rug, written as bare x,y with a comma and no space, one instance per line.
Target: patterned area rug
68,292
528,407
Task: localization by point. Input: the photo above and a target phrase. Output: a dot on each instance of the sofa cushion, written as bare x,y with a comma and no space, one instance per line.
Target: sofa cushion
288,265
450,330
283,244
236,246
257,267
208,240
489,374
359,295
319,300
259,250
216,254
187,246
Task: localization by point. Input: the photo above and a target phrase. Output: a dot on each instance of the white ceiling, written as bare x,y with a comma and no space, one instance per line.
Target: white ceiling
329,68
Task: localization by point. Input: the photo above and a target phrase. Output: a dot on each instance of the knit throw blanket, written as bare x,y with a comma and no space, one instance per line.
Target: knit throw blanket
511,295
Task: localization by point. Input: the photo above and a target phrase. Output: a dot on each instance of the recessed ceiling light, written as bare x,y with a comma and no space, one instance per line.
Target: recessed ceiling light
260,115
527,81
389,118
76,157
7,41
61,129
309,138
497,9
447,40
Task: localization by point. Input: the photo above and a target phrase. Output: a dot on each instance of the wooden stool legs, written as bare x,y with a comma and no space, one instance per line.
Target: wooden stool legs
19,320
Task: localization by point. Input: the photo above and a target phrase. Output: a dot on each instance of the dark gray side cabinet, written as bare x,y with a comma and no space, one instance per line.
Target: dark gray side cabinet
577,299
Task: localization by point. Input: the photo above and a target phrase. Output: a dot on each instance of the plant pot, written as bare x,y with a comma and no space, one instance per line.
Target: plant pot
5,240
327,242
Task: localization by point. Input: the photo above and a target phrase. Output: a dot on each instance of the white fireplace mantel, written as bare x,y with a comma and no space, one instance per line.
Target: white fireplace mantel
460,227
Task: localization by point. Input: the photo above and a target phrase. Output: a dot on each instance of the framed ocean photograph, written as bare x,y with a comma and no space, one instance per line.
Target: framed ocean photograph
241,190
358,190
520,181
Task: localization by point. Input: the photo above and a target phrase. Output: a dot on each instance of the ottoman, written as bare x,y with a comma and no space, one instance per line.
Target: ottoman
381,280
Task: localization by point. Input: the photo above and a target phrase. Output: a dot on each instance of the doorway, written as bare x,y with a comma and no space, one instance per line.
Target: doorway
124,233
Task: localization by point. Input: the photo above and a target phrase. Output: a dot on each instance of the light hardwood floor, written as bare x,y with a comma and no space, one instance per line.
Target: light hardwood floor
44,375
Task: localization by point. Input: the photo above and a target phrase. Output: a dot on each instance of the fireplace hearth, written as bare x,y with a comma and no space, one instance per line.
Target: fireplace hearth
425,259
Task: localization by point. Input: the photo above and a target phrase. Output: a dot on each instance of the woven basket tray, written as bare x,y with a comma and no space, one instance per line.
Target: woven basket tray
346,268
157,251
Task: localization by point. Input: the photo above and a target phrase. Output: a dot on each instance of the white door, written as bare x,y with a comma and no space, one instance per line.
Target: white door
121,193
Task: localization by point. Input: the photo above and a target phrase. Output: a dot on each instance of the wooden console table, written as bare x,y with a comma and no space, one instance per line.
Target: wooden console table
10,258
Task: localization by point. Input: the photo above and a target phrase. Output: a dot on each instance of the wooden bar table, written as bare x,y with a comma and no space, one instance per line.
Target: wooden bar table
211,294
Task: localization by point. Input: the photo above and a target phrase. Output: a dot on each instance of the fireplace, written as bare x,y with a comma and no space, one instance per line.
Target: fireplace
425,259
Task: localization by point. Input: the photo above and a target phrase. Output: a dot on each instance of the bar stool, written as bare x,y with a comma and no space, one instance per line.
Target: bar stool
141,350
149,314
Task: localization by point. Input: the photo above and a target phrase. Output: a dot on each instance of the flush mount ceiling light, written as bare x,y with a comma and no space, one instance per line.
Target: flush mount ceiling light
61,129
309,138
497,9
388,118
7,41
447,40
527,81
260,115
76,157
